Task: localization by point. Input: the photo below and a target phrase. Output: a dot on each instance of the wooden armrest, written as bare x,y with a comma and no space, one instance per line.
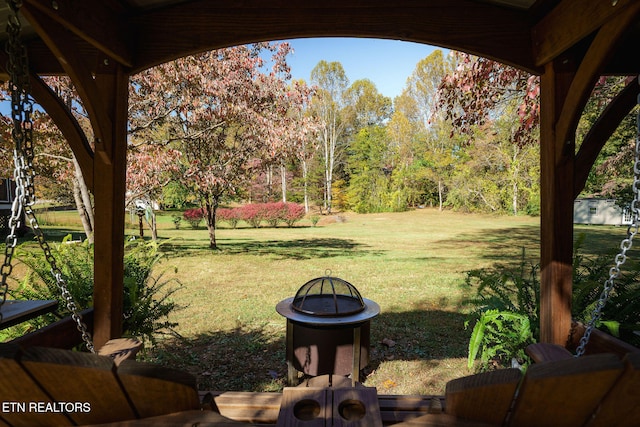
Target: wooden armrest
543,352
120,349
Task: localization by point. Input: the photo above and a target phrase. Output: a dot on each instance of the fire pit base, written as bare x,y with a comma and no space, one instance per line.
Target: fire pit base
321,350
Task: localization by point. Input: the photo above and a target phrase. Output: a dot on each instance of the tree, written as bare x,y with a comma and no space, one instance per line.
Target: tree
479,87
612,173
496,108
370,174
58,169
226,115
327,107
149,169
425,151
365,106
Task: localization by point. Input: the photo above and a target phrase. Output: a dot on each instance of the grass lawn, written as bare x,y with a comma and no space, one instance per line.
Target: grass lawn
413,264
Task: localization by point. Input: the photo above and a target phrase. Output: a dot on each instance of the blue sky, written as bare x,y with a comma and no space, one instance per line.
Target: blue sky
387,63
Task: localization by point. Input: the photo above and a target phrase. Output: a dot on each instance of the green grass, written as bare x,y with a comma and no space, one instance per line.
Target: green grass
413,264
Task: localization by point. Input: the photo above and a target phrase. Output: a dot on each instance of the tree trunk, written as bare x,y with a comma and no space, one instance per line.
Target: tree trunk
82,199
153,224
305,185
210,208
269,176
440,195
283,181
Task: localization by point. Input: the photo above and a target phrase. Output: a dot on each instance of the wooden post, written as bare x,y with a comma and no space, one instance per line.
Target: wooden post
109,190
557,155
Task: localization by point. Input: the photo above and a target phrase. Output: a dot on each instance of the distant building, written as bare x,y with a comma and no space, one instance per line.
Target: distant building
7,194
600,211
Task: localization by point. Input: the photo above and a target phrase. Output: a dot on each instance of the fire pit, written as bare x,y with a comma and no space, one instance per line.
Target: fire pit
328,329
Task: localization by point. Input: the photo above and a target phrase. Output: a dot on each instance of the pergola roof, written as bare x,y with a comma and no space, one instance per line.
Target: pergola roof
143,33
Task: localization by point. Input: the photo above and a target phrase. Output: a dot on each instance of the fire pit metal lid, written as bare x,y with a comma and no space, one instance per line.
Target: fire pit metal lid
328,301
328,296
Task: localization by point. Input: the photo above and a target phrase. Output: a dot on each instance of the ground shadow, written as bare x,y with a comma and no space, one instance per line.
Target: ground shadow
252,358
296,249
506,246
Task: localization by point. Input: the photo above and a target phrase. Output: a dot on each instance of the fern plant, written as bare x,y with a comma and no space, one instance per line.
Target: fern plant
500,337
147,303
505,314
621,314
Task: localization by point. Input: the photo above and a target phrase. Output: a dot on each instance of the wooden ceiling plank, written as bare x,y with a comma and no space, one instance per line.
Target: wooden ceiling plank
570,22
478,28
94,22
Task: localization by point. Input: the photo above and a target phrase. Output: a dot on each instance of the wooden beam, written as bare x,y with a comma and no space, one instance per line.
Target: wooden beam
563,96
98,22
590,69
477,27
572,21
556,216
109,192
62,44
103,89
67,124
601,131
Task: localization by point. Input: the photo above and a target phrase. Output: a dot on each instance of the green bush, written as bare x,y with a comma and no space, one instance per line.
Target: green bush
621,314
506,301
147,303
505,314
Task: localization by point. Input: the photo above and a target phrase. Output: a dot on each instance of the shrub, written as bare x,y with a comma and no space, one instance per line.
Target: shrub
506,318
194,217
621,313
274,213
294,213
252,214
147,302
314,220
176,219
231,216
506,315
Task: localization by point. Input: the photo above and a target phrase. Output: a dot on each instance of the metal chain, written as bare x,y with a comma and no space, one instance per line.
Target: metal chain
24,173
625,245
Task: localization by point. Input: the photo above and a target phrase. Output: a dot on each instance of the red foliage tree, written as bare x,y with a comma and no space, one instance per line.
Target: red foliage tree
227,115
479,86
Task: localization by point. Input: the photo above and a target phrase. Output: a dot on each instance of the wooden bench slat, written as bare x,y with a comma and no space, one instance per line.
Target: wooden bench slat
621,407
75,377
19,388
16,312
564,393
185,418
155,390
545,352
249,407
441,420
484,397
